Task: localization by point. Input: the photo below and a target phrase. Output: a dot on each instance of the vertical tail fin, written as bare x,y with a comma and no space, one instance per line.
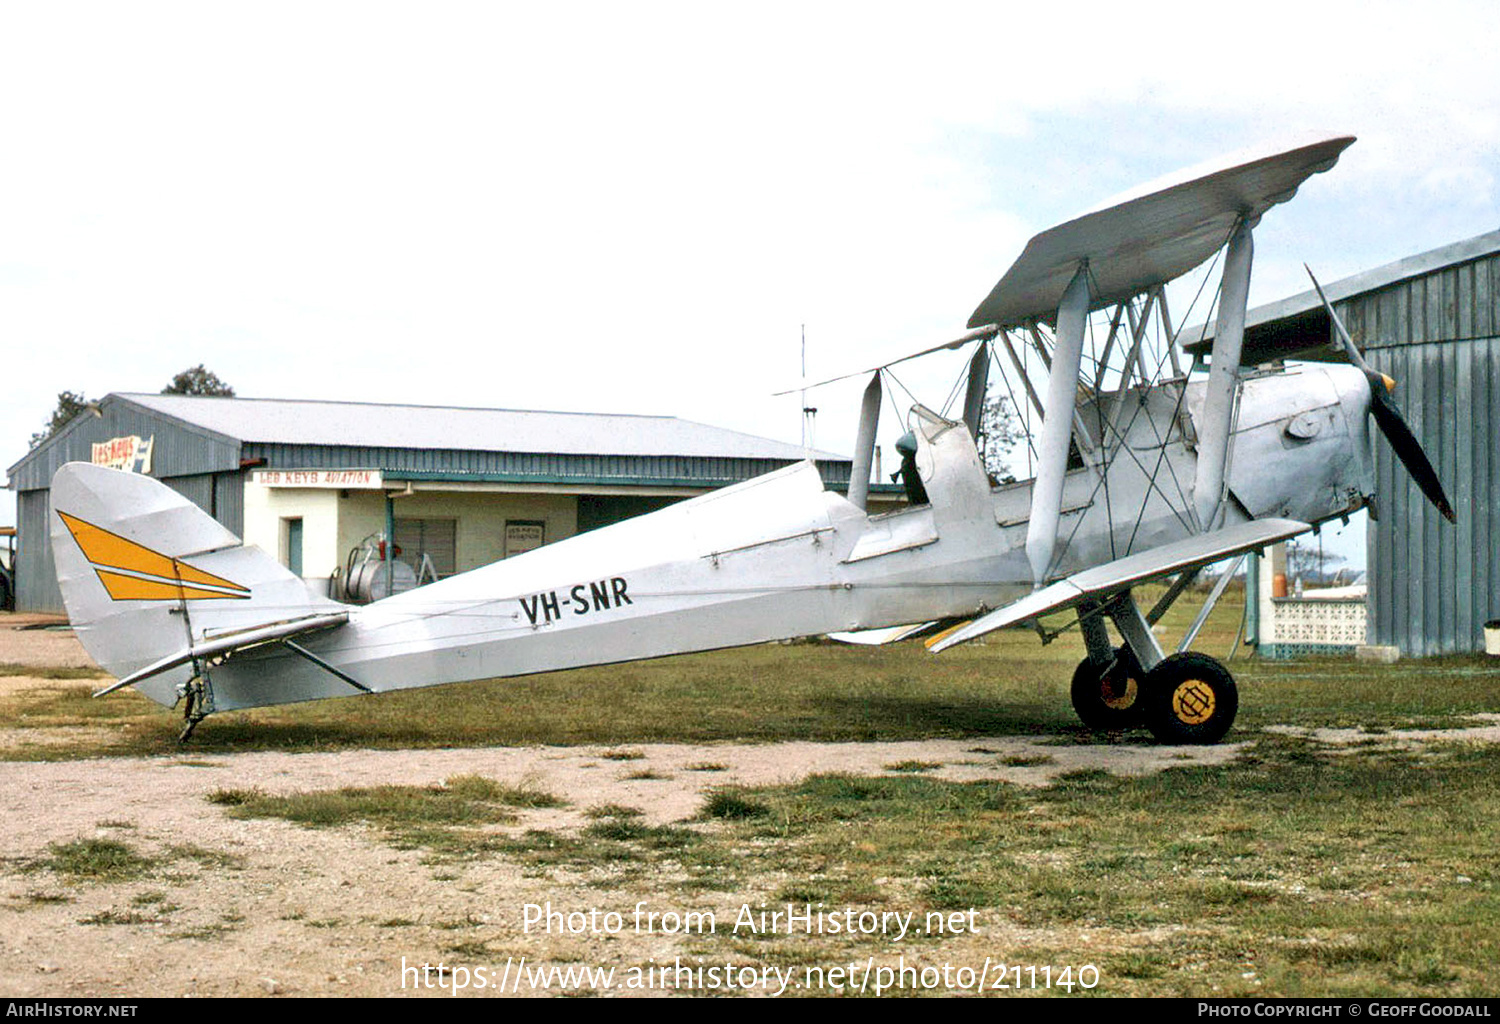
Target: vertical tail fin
145,573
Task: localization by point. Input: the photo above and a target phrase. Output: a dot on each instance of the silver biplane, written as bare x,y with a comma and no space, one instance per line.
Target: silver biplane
1143,470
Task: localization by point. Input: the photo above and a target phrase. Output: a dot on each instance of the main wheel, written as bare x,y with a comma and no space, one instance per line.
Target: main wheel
1108,697
1189,698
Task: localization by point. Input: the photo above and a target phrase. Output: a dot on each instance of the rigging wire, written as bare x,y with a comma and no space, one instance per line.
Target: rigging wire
1152,475
1015,403
1182,392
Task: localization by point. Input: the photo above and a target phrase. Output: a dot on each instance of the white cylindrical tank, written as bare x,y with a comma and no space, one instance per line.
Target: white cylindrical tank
370,580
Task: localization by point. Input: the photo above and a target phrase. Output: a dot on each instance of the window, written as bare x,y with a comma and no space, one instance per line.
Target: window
435,538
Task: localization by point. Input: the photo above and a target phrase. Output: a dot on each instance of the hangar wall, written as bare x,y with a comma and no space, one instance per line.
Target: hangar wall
336,522
283,475
200,464
1433,585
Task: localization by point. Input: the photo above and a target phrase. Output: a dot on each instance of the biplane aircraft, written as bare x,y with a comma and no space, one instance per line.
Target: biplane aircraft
1143,470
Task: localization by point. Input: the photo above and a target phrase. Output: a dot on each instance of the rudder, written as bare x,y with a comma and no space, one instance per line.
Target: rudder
145,573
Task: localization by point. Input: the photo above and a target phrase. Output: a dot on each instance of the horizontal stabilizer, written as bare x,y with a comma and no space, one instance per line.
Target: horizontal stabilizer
879,637
230,642
1122,574
894,634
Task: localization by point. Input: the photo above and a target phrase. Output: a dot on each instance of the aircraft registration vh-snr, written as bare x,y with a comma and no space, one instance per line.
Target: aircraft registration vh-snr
1143,470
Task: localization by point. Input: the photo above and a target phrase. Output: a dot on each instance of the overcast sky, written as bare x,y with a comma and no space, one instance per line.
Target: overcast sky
632,207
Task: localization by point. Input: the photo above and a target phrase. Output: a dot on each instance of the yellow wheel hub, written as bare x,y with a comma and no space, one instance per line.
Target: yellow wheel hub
1119,694
1193,701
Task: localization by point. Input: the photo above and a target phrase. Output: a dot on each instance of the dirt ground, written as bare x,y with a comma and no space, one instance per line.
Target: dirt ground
264,907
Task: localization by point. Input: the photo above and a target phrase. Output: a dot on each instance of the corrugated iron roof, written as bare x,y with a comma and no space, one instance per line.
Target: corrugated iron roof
1381,277
1297,326
362,424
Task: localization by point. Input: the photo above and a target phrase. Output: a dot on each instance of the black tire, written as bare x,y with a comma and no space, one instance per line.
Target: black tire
1108,697
1189,698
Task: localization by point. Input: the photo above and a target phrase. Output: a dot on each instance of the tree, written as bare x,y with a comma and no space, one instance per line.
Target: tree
69,404
1000,432
196,380
1306,560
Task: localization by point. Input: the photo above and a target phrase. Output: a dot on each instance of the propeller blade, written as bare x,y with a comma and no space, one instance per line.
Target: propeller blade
1349,349
1409,450
1388,417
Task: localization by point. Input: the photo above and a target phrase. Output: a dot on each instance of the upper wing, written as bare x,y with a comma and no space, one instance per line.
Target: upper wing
1122,574
1156,232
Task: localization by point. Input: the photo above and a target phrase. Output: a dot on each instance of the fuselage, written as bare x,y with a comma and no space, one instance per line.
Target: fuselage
779,556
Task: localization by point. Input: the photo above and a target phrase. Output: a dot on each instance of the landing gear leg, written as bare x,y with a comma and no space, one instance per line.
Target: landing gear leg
1183,698
197,695
1107,696
1106,688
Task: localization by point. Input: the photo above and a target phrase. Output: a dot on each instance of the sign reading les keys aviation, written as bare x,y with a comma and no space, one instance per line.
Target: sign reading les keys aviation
132,572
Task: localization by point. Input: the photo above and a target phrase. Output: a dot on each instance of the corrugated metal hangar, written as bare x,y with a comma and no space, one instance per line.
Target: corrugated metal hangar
311,481
1432,323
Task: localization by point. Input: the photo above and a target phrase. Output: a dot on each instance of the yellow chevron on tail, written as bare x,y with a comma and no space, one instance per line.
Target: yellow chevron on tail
132,572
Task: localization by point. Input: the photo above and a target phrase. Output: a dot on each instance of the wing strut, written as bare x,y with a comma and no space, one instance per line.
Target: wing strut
1223,379
1057,425
979,375
864,444
303,652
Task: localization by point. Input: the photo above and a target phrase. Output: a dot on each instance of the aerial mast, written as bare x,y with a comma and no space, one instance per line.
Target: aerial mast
809,413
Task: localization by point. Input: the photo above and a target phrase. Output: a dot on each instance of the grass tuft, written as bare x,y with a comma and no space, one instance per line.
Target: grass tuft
913,766
730,804
477,787
100,859
613,811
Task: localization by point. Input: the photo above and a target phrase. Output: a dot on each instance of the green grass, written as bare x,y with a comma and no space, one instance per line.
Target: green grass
207,858
11,668
1010,685
1317,871
96,859
462,799
37,898
112,916
913,766
1027,760
731,804
453,820
613,811
107,861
